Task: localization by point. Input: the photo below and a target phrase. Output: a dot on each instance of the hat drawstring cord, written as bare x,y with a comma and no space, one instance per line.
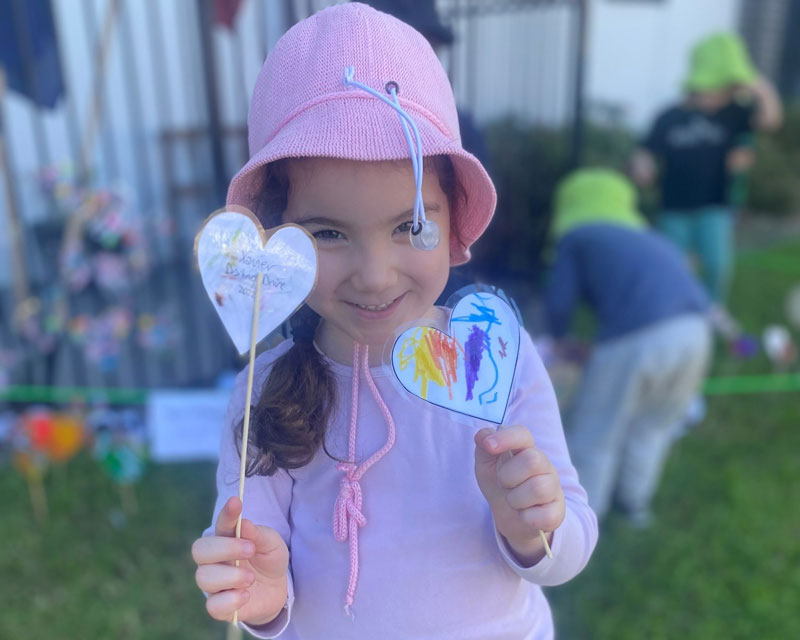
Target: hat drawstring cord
424,233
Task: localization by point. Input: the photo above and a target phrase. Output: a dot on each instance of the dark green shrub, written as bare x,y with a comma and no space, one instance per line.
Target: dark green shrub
774,185
527,162
607,146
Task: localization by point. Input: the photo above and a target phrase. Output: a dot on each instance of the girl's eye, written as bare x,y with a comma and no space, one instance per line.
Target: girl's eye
328,234
405,227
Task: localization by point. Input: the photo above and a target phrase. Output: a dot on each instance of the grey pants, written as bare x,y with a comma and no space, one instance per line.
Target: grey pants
633,393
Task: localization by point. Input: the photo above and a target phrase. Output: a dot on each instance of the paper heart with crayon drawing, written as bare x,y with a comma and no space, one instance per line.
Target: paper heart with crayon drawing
470,368
232,249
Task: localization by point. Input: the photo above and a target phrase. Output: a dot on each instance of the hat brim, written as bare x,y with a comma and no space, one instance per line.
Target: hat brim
367,130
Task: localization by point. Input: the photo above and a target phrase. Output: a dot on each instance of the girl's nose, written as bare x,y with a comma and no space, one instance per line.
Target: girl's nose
376,268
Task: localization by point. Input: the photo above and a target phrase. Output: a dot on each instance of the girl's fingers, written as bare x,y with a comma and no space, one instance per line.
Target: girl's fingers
222,605
525,464
544,517
271,558
214,578
535,491
212,549
483,455
505,439
265,539
226,520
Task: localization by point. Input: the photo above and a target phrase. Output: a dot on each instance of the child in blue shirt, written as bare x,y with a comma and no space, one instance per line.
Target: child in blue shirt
652,339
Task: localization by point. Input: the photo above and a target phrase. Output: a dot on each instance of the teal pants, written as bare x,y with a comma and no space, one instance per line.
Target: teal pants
707,234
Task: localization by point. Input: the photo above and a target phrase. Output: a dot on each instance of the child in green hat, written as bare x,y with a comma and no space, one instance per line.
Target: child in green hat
651,344
702,149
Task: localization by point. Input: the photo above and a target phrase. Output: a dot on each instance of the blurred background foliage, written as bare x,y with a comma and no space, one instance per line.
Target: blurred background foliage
775,180
527,161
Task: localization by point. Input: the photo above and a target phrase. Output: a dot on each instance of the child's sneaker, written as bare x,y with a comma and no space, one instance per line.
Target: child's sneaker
723,322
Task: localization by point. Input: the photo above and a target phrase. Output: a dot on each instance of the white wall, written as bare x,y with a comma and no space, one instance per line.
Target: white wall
638,50
522,66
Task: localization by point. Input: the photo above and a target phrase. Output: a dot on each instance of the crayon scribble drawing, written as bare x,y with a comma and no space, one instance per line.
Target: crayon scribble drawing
469,369
434,356
503,346
473,352
479,341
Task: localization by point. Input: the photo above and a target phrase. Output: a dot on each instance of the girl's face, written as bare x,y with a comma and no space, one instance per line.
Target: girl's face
371,280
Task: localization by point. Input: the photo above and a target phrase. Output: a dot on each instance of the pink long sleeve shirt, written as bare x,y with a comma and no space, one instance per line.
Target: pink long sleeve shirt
431,564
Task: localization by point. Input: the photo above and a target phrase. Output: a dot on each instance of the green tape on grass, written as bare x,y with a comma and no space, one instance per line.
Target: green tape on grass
731,385
66,395
734,385
773,261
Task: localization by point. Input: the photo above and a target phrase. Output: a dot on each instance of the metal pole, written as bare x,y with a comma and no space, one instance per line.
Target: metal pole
172,257
576,150
214,127
20,283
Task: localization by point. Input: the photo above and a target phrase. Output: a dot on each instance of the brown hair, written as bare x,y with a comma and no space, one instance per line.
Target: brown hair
289,422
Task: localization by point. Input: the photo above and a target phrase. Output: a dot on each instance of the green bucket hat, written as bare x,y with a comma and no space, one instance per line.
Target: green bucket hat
717,62
591,196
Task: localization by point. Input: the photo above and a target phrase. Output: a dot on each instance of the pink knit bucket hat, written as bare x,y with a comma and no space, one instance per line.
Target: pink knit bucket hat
301,107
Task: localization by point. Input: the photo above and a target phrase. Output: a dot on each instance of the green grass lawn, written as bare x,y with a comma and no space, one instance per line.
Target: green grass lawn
83,576
722,560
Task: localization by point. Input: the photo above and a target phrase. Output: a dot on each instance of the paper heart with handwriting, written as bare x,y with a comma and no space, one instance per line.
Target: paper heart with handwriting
469,368
232,249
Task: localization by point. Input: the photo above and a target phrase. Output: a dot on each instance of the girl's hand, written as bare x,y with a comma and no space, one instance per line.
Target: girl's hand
258,587
522,488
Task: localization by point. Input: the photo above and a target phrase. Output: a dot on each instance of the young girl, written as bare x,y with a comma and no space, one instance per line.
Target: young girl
363,517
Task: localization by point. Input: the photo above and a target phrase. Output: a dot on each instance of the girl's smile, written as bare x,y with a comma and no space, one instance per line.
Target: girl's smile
371,280
376,311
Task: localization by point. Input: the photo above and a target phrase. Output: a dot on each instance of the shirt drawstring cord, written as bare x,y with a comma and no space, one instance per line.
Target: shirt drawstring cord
347,514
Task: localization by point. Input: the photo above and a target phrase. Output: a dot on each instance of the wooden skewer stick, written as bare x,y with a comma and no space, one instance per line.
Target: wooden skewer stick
546,545
246,425
38,497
